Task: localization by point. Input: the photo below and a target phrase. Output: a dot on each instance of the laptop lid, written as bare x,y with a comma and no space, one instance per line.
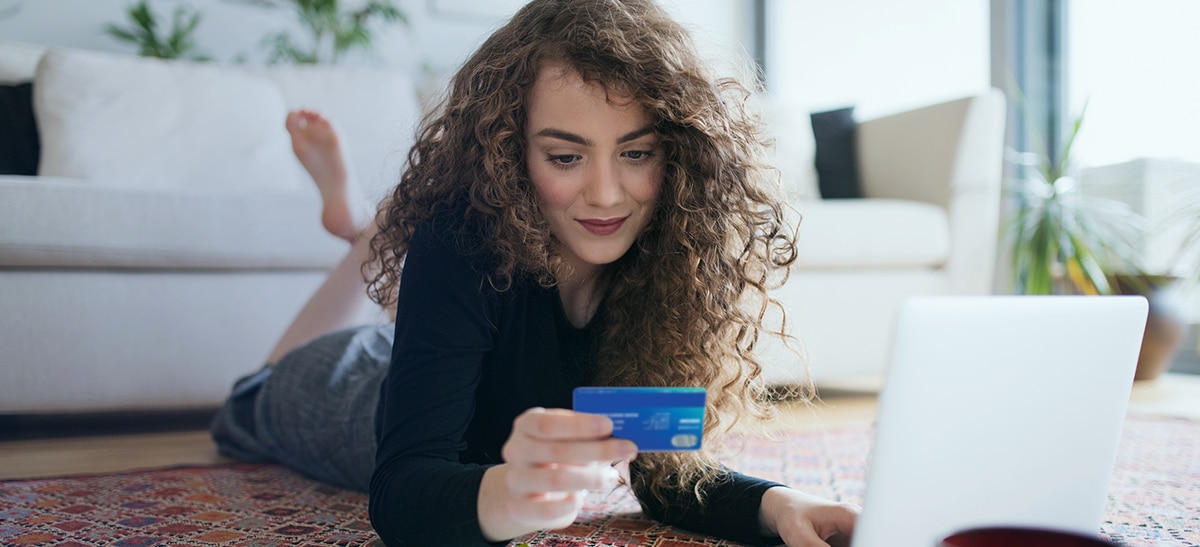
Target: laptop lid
999,410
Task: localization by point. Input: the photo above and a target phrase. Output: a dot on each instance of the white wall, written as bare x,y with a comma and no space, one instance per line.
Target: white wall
723,29
880,55
232,29
877,55
441,35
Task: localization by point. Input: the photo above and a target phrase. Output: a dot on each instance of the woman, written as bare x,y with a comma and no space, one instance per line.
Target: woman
588,207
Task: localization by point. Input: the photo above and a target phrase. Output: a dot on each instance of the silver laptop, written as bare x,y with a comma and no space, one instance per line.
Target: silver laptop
999,410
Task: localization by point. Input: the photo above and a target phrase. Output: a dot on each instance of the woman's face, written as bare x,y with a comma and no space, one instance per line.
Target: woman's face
596,166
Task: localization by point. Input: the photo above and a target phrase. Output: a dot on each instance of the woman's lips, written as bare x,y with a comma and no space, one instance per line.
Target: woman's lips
602,227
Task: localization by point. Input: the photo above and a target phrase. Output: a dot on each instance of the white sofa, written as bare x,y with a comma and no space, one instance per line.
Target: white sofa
170,235
160,252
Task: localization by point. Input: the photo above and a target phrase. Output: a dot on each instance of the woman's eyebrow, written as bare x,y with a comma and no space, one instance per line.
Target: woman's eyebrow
563,135
579,139
635,134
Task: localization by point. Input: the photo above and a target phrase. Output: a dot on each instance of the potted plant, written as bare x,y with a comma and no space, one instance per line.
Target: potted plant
1061,241
143,31
333,30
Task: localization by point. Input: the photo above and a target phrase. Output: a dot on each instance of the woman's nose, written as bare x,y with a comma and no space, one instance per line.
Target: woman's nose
603,186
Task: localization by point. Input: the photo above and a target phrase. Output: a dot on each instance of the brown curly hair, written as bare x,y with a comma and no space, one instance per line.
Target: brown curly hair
717,240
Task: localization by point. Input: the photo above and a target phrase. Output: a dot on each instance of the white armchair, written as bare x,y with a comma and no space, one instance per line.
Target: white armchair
928,225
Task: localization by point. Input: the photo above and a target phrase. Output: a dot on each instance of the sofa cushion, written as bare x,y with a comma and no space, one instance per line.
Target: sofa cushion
53,222
152,123
18,61
375,112
837,153
18,131
872,233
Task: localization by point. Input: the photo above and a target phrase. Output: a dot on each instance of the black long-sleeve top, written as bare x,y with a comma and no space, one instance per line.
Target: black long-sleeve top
467,359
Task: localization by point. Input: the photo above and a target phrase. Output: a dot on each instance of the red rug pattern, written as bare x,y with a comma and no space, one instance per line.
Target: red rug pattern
1154,499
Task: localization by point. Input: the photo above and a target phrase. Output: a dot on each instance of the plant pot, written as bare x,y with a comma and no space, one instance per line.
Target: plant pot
1165,327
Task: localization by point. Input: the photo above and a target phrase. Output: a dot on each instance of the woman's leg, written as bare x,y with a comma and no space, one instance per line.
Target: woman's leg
341,301
319,149
313,408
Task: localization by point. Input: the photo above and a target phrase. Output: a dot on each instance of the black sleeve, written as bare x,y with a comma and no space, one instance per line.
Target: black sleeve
730,510
420,492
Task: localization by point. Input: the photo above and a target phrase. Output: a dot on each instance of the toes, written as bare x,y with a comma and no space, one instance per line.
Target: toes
310,117
293,122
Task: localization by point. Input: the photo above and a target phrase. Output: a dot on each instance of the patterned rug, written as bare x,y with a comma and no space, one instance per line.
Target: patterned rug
1154,499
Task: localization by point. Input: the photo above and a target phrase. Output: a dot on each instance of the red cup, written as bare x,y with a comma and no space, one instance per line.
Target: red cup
1024,537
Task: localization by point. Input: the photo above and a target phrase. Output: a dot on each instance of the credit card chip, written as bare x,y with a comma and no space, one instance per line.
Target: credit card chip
685,440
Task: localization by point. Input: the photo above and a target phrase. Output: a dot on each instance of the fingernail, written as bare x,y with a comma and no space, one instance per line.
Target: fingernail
612,478
628,450
602,426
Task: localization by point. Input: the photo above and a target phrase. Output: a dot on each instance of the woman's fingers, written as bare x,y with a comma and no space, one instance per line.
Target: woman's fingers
505,513
561,425
534,451
543,436
552,458
805,520
547,511
562,478
827,525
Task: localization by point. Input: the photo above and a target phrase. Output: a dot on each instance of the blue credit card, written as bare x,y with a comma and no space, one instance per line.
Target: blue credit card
656,419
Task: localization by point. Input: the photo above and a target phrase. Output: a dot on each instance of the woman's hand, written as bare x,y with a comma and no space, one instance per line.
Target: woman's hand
803,520
552,458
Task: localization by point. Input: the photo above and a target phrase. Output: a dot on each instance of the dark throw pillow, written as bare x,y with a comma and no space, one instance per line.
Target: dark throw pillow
837,153
19,145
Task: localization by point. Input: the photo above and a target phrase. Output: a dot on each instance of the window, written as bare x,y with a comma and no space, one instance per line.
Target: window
1134,63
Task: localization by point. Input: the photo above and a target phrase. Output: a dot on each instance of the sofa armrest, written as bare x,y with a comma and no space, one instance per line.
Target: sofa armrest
948,154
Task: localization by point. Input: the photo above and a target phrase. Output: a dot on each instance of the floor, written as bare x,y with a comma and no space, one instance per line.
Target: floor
1170,395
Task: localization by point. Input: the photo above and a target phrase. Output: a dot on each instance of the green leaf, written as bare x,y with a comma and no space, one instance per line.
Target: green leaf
1061,165
122,34
143,17
355,37
1090,265
144,31
331,30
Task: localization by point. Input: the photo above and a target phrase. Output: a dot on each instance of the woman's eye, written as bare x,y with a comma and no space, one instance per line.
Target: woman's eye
639,155
564,159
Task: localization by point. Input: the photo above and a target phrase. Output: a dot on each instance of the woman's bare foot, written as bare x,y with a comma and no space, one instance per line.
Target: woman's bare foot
318,148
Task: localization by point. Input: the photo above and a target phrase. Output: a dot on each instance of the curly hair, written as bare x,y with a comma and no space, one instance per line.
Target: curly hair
717,240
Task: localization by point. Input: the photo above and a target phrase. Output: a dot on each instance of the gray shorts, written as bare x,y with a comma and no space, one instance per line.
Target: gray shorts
314,410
